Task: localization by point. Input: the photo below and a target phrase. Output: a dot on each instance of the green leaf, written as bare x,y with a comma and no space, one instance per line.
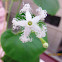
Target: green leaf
8,59
51,6
22,52
20,16
0,40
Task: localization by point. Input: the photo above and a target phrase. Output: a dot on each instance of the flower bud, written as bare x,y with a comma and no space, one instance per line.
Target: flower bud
45,45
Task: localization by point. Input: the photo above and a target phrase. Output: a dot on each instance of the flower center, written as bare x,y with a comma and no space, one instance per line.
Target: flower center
30,23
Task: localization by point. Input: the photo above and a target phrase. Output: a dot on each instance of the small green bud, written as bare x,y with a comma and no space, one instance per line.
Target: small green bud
45,45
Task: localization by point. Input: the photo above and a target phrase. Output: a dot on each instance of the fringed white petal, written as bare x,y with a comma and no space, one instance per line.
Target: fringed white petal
27,31
28,16
14,21
24,39
44,28
21,23
25,35
37,30
39,33
26,8
39,10
43,34
36,19
18,23
42,13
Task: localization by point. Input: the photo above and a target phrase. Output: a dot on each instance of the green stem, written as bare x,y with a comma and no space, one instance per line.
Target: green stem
0,40
19,6
44,43
9,12
42,40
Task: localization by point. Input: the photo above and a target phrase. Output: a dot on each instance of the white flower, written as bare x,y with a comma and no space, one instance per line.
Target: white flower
14,23
30,24
26,8
42,13
44,28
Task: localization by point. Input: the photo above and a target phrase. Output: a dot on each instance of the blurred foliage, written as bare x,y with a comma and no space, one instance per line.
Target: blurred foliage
0,40
8,59
20,16
51,6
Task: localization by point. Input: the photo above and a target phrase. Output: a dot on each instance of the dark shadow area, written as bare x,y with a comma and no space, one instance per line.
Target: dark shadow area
53,20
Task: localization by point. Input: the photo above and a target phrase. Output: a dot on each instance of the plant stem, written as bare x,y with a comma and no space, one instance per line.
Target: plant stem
42,40
9,12
18,6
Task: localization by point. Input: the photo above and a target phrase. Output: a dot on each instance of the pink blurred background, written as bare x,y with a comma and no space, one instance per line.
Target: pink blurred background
3,25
